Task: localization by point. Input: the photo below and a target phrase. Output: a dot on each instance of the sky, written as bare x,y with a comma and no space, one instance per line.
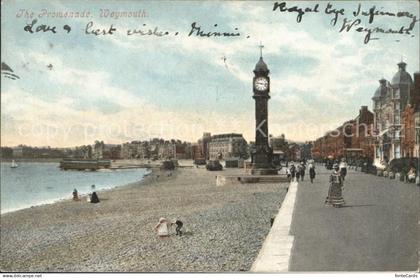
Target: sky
120,88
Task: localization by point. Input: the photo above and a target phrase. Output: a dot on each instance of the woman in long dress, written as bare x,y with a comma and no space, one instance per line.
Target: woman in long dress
335,192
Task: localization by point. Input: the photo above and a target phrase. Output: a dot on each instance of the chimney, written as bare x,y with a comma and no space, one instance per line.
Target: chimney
363,111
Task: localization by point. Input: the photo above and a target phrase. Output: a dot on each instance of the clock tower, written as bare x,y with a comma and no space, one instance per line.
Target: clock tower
262,155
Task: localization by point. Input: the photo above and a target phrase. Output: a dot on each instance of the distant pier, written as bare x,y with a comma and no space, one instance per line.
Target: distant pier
93,164
81,165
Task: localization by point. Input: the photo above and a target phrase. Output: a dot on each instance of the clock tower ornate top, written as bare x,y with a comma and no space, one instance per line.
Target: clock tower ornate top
261,68
261,80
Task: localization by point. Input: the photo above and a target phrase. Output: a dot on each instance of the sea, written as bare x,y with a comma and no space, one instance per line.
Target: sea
37,183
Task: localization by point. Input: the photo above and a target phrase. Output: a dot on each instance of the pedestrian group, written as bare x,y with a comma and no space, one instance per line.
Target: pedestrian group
336,181
91,197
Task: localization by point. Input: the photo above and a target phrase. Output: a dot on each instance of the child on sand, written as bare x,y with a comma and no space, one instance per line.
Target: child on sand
94,198
162,228
179,225
75,195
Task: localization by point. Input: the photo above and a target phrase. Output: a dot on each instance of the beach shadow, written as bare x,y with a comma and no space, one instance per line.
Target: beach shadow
187,233
354,206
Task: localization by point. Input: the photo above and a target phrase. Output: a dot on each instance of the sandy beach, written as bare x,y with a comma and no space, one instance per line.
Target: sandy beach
224,227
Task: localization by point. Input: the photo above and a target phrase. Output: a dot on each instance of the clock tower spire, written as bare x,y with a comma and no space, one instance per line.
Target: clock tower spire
261,46
262,155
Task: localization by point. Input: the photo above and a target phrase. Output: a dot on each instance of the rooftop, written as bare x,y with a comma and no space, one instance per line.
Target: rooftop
401,77
381,90
261,66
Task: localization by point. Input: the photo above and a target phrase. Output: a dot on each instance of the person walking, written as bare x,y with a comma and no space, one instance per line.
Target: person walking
302,170
343,168
312,172
335,191
298,172
289,177
293,171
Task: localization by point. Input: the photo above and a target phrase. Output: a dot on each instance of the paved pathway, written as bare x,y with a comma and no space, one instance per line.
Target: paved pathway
377,230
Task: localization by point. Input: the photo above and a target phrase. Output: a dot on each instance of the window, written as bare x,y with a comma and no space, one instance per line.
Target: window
397,118
397,93
386,125
397,106
397,151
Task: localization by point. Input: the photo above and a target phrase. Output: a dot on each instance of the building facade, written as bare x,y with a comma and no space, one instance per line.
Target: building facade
101,150
227,146
306,150
135,150
200,150
411,121
294,152
389,102
156,149
351,140
18,151
362,140
183,151
279,143
167,150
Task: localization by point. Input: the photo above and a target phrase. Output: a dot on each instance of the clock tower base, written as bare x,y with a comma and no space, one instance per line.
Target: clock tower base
264,172
261,162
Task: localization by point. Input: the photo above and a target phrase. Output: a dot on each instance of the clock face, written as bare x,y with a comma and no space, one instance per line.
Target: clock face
261,84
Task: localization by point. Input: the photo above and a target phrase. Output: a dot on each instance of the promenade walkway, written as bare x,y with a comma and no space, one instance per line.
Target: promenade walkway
377,230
